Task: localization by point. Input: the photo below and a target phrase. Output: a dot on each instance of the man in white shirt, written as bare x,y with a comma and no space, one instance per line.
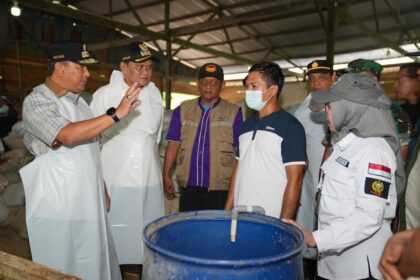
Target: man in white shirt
129,153
320,77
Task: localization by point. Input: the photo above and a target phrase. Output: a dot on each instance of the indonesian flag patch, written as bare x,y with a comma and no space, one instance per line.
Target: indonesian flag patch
379,170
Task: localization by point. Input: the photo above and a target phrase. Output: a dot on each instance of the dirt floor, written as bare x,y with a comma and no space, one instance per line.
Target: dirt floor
11,243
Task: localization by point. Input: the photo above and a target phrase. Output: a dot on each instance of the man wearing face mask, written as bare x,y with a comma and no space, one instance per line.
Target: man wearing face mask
271,155
130,154
202,139
320,77
358,193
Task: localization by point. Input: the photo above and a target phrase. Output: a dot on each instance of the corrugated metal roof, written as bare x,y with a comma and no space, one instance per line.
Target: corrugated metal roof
279,30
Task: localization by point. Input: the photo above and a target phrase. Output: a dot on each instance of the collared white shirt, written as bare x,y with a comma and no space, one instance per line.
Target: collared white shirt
358,202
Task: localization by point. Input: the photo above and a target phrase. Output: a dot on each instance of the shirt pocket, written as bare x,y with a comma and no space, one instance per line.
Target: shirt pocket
338,193
339,183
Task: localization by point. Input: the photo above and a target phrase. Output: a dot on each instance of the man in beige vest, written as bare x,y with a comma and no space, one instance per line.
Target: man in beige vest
202,139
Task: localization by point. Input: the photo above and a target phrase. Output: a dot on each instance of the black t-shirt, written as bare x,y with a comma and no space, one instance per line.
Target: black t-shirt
412,111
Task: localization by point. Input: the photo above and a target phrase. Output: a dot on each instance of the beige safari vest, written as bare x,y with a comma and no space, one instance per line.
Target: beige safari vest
222,154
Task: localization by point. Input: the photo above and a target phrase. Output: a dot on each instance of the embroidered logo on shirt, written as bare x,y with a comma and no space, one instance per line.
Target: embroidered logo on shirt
379,170
377,188
270,128
223,119
342,161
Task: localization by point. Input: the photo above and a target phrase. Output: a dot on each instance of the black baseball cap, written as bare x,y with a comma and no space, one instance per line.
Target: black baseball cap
319,66
211,70
70,51
137,52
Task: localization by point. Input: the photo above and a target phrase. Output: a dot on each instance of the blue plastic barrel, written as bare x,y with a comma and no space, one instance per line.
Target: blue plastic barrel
196,245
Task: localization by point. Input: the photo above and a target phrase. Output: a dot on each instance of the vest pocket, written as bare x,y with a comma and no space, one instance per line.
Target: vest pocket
227,158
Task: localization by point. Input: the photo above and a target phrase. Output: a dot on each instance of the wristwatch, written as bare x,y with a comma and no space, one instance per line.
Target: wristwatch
111,112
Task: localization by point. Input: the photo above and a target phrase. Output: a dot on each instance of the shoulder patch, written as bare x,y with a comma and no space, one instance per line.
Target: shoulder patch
379,170
377,188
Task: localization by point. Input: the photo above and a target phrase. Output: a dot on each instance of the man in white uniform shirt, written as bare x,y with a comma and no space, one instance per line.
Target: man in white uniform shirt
129,153
320,77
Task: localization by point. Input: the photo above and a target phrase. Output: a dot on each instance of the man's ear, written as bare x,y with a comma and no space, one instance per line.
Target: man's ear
334,77
275,89
59,68
123,67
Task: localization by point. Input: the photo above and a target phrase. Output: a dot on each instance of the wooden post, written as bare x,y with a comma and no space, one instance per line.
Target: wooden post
16,268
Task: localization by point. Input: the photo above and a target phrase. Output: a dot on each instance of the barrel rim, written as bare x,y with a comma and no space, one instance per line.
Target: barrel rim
222,214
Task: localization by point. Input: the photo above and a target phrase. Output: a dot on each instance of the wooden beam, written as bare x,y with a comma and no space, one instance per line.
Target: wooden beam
138,18
93,19
309,29
371,33
312,43
331,28
245,18
263,15
238,4
136,7
16,268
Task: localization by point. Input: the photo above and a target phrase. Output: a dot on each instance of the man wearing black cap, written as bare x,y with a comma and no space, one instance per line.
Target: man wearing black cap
129,153
358,194
64,189
320,77
202,138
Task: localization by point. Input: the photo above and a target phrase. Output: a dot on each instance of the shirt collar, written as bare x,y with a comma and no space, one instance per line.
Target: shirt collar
55,88
214,105
60,91
346,141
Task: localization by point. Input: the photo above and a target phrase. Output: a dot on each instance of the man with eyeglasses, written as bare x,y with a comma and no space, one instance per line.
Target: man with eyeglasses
320,78
407,87
129,152
202,140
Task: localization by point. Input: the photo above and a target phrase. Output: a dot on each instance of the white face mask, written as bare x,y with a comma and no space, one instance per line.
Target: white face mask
253,99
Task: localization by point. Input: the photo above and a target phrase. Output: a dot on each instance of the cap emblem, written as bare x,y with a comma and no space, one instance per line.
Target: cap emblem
211,68
85,53
144,50
143,47
314,64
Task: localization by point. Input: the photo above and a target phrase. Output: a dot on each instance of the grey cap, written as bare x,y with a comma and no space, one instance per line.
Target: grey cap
353,87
